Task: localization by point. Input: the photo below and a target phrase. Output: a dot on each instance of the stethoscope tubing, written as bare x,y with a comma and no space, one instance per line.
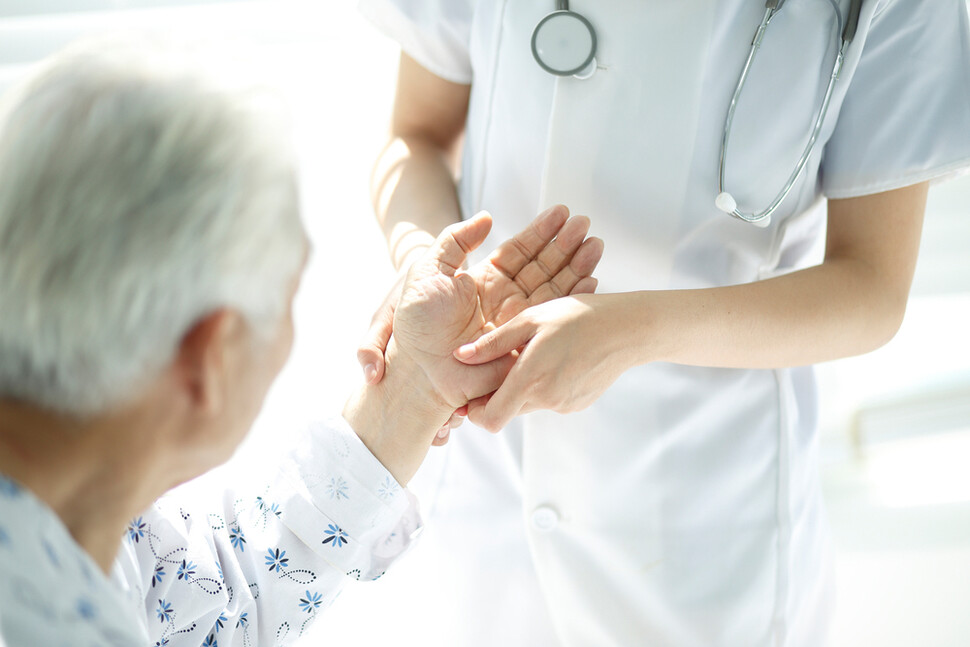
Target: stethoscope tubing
846,33
756,218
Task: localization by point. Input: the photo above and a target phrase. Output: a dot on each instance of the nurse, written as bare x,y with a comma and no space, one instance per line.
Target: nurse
678,502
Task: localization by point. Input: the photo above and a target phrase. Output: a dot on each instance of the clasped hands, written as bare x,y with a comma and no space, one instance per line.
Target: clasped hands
440,308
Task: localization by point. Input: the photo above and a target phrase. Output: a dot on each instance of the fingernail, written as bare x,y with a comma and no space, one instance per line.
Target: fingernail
370,372
443,431
466,351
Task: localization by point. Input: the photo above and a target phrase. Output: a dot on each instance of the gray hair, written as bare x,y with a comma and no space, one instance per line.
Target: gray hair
137,195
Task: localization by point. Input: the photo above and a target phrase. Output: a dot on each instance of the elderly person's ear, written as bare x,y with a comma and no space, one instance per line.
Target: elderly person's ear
206,358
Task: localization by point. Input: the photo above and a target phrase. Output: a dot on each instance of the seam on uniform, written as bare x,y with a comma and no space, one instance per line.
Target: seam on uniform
779,629
900,181
483,167
881,10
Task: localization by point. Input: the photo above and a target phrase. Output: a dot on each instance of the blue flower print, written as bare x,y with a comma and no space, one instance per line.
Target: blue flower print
276,560
8,488
221,621
311,602
186,570
158,575
161,643
387,488
210,641
337,536
164,611
51,555
237,538
262,506
243,620
267,509
85,609
337,488
136,530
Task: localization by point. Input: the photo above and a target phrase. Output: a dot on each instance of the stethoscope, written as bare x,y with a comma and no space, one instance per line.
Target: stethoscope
564,44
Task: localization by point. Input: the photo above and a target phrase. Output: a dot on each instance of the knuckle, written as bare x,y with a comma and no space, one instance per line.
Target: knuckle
489,344
520,247
543,266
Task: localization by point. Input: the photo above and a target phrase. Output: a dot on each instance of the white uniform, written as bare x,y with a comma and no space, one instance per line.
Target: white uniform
683,508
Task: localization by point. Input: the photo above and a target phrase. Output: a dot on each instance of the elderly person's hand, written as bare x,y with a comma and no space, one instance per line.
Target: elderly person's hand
440,307
549,259
542,262
441,304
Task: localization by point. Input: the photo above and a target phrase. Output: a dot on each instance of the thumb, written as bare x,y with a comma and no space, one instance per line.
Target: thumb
456,241
498,343
370,353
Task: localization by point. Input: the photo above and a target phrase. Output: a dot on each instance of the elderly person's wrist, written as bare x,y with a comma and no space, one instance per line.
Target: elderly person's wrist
398,418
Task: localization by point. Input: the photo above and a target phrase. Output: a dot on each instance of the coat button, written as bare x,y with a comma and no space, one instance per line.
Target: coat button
545,518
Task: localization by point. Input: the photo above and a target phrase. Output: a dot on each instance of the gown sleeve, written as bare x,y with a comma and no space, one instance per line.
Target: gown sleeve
257,567
435,33
906,114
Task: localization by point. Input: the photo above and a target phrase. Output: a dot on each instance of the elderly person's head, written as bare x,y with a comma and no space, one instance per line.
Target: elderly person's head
150,247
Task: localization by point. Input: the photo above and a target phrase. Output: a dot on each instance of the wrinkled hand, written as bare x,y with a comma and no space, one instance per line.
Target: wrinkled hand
442,307
568,356
521,272
549,259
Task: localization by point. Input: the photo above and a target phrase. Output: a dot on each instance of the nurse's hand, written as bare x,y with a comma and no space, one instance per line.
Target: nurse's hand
569,352
547,260
442,306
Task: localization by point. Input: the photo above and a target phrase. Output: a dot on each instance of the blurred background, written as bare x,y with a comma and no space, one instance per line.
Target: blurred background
895,423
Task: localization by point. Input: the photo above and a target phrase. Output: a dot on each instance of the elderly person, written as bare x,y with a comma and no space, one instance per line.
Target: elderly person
150,249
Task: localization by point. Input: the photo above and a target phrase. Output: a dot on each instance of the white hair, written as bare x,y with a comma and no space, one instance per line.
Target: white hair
137,195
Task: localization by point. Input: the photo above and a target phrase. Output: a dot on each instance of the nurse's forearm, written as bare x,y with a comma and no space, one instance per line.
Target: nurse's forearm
572,349
838,309
851,304
414,196
413,185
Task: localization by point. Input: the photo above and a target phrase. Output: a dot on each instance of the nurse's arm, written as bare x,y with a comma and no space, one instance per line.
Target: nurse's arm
852,303
413,184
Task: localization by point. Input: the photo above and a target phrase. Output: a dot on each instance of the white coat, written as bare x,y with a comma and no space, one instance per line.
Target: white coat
684,508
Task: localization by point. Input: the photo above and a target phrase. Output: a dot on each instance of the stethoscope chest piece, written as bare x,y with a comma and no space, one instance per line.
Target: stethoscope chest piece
564,44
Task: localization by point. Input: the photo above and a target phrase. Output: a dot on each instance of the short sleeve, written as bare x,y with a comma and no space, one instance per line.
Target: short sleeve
435,33
906,115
